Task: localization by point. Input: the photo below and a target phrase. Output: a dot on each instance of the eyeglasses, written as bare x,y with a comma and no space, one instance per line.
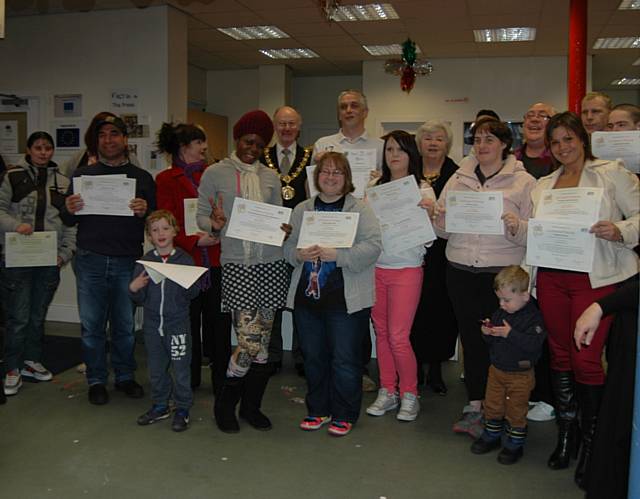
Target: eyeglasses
332,173
531,114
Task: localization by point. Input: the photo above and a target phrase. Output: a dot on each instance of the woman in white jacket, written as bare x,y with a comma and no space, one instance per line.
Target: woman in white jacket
563,295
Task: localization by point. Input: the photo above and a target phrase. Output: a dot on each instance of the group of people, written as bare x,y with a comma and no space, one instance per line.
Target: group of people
419,299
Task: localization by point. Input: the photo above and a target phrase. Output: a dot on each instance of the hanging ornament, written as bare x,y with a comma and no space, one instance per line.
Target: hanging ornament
409,66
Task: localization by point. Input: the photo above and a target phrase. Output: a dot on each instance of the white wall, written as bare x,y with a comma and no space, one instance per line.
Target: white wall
197,87
91,54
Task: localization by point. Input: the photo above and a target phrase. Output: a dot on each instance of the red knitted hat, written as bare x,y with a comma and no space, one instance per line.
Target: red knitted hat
254,122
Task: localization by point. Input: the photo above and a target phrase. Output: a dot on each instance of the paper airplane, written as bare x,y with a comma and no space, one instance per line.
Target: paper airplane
184,275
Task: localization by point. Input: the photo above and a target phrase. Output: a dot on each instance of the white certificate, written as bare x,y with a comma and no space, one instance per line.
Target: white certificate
560,245
403,223
580,205
257,222
329,229
474,212
190,211
39,249
618,145
361,162
106,195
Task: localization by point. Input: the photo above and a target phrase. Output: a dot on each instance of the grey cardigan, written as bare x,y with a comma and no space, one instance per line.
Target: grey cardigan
221,179
357,263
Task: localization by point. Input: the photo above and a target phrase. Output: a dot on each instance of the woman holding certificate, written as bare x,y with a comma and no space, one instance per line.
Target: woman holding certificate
613,193
398,278
177,188
332,292
31,197
478,246
255,276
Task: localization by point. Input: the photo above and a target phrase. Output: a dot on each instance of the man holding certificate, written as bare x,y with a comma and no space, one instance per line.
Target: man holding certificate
255,276
332,292
587,215
36,245
108,247
486,184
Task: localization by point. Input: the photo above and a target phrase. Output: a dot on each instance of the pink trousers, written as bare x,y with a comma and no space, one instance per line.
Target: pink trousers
397,296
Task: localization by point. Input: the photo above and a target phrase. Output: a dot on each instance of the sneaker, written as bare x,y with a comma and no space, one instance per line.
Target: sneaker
368,385
12,382
156,413
180,420
340,428
36,371
384,402
541,411
98,394
409,407
130,389
311,423
81,368
471,422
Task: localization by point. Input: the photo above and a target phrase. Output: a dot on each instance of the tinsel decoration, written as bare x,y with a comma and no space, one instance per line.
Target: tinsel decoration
408,67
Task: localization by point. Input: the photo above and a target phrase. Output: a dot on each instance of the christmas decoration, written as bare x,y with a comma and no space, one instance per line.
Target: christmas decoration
408,67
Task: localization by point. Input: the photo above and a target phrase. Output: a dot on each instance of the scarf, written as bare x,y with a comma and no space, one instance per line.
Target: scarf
249,189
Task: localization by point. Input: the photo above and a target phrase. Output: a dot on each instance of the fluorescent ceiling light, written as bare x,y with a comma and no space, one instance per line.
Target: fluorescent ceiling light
369,12
626,81
289,53
394,49
504,34
253,32
627,42
629,5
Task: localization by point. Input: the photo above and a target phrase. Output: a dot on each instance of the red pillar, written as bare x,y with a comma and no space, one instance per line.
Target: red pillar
577,63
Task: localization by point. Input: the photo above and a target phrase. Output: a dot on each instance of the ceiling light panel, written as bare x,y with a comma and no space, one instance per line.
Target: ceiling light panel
369,12
504,35
253,32
289,53
394,49
627,42
629,5
626,81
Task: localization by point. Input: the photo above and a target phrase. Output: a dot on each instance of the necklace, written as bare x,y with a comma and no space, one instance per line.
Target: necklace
288,192
431,178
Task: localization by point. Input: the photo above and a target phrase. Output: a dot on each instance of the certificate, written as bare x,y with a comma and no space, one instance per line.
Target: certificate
39,249
474,212
560,245
618,145
580,205
329,229
361,162
106,195
190,211
403,223
257,222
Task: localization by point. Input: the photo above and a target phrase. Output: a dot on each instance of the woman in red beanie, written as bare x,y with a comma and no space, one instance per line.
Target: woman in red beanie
255,277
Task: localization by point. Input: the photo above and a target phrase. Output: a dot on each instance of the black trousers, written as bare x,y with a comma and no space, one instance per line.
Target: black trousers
210,330
473,299
275,343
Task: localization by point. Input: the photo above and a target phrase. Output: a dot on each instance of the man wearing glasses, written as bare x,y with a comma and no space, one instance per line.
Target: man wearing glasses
535,156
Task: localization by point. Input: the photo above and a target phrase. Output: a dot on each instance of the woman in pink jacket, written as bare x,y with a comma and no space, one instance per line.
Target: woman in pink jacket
475,259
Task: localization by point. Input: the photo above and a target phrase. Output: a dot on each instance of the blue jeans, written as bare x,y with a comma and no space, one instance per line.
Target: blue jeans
26,295
103,294
331,344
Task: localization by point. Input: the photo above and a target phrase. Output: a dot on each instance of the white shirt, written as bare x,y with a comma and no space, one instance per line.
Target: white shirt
340,143
291,148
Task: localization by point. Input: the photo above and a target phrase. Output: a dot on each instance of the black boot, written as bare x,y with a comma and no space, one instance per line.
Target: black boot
224,408
564,390
254,386
434,379
589,398
3,397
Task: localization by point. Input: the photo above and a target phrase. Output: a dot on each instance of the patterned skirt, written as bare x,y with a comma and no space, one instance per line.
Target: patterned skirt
247,287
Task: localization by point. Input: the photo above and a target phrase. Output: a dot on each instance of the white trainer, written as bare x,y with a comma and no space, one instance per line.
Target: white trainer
384,402
541,411
409,407
12,382
36,371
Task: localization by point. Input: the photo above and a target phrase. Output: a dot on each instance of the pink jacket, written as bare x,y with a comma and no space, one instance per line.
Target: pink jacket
475,250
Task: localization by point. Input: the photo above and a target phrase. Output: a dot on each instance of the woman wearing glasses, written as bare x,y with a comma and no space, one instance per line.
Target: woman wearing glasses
332,292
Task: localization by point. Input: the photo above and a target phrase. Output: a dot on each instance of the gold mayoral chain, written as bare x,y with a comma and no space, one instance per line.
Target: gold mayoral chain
288,192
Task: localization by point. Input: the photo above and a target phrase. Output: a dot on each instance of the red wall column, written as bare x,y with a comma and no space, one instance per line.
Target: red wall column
577,63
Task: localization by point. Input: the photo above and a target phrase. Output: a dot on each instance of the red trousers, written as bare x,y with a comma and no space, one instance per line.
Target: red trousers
562,297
